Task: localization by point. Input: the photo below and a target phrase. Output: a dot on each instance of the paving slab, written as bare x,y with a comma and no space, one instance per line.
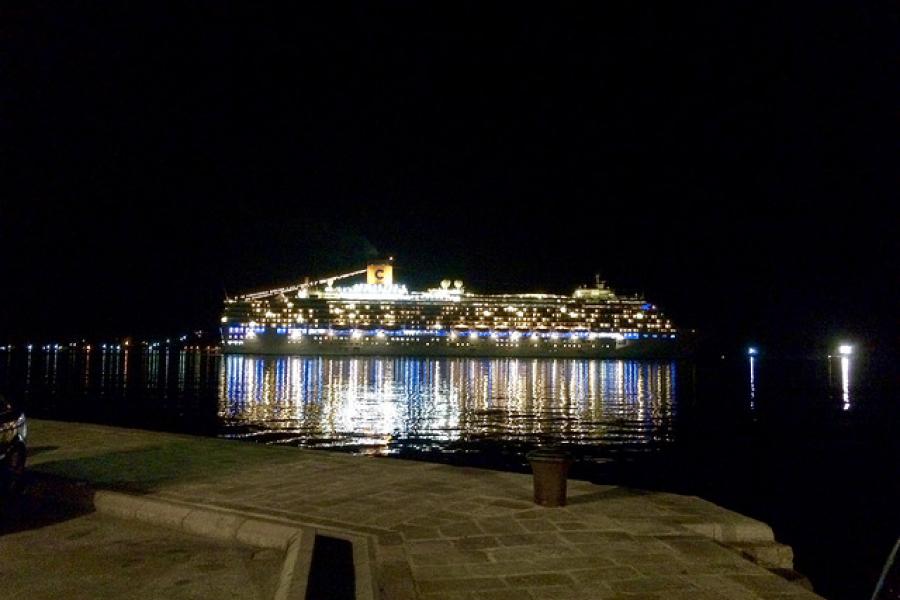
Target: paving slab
95,556
440,531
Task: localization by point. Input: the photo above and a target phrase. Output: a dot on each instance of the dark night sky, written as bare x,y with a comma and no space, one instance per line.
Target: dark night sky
738,165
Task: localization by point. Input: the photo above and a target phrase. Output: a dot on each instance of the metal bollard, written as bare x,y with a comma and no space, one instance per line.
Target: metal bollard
551,468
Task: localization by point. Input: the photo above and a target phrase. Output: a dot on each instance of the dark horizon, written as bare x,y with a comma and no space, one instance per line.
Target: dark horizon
733,164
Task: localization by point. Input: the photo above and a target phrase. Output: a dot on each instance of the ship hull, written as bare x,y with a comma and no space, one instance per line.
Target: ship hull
635,349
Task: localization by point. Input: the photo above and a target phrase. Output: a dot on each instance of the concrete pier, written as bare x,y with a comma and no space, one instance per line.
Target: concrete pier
423,530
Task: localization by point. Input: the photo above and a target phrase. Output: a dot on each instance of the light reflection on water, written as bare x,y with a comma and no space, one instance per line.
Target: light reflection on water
845,382
389,405
752,382
383,404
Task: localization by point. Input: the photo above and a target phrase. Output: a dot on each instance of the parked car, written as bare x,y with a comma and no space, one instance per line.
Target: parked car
13,436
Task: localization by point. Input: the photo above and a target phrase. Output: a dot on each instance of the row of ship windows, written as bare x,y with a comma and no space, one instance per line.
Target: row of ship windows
466,344
534,337
454,344
560,303
445,308
447,318
486,313
452,340
654,328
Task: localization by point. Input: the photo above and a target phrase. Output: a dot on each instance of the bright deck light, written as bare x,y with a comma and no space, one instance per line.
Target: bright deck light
752,352
845,349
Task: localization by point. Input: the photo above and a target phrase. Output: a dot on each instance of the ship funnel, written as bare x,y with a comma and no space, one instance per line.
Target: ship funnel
458,284
380,273
445,284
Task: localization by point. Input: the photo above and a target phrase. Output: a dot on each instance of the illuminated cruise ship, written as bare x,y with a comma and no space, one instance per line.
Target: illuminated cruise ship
381,317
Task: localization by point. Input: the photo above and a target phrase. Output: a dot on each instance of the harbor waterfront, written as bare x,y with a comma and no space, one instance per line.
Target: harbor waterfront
418,530
776,440
432,301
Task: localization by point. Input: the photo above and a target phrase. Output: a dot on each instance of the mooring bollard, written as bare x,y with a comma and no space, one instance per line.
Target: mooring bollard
551,469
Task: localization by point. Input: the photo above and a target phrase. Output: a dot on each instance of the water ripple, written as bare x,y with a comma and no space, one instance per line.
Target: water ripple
387,403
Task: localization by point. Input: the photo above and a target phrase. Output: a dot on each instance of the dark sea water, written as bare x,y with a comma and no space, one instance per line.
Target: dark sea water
811,446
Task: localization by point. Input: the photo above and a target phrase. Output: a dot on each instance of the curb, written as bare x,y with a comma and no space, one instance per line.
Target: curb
198,521
295,539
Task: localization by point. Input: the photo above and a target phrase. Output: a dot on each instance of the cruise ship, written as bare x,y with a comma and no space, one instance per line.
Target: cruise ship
380,317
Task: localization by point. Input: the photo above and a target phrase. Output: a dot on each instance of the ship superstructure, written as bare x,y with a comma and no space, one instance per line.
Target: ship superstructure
381,317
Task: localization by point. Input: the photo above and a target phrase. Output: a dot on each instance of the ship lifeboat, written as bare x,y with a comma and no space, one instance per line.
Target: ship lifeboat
459,331
559,333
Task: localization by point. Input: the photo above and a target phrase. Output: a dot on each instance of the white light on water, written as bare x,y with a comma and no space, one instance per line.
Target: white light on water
752,380
348,398
845,382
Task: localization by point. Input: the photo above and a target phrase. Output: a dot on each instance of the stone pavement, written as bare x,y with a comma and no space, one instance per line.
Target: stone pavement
444,532
94,557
